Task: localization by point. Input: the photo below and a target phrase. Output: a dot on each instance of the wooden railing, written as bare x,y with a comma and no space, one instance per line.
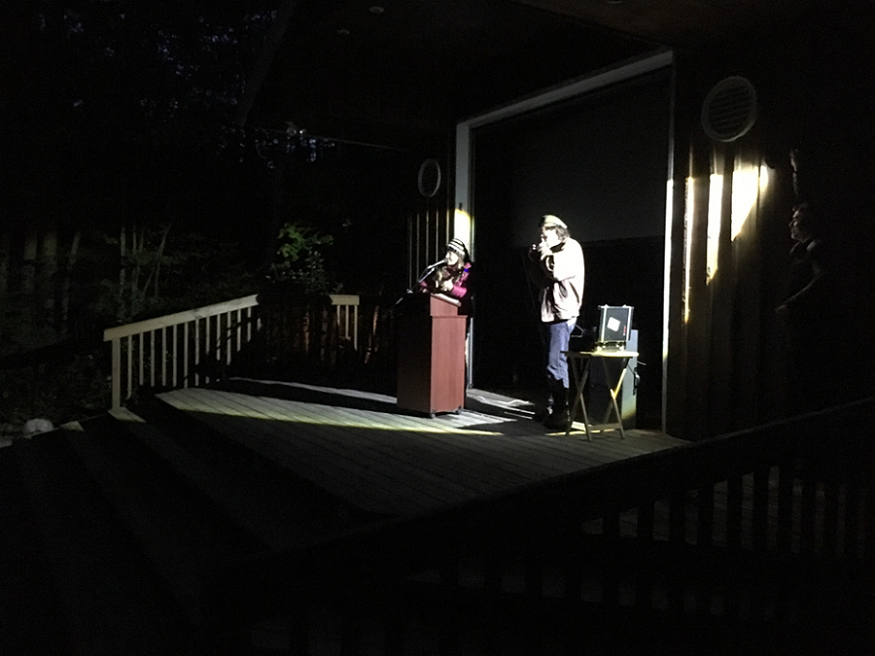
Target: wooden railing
198,346
754,542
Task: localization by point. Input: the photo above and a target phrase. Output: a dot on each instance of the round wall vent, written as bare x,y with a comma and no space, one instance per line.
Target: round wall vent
730,109
429,178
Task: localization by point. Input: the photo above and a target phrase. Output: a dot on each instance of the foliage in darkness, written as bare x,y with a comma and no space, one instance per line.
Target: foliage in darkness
114,115
300,265
121,114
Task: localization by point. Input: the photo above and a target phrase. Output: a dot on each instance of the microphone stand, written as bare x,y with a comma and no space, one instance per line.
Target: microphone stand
425,274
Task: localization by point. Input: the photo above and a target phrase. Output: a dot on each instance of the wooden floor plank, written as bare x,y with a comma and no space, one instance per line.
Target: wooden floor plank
446,454
227,488
337,475
313,452
459,446
355,442
398,435
347,443
530,434
390,461
468,443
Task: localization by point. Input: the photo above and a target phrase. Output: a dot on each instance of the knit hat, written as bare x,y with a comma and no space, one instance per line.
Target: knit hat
550,221
458,246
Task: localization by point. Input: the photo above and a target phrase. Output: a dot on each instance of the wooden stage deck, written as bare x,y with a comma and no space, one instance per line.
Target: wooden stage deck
146,517
363,449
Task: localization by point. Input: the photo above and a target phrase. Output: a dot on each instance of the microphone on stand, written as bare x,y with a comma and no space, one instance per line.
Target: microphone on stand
426,273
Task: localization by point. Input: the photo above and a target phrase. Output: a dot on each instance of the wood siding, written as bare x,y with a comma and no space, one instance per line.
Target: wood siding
727,354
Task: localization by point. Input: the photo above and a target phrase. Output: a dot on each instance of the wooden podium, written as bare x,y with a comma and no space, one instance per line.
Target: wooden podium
431,354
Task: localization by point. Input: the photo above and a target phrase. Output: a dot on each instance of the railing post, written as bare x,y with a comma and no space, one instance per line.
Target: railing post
347,303
116,373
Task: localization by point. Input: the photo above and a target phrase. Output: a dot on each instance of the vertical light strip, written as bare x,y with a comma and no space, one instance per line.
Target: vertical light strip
141,357
688,243
185,381
666,290
228,338
748,182
715,217
666,267
197,350
164,352
129,342
175,368
462,227
207,350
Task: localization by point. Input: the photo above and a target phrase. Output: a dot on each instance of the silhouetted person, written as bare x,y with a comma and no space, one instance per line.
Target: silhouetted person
809,314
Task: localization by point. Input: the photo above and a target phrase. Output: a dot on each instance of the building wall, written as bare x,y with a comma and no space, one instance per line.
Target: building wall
727,361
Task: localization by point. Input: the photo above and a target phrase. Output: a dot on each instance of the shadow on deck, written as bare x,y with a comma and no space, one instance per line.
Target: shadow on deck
261,517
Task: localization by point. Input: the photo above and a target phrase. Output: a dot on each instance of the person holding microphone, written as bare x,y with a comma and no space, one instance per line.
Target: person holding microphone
558,272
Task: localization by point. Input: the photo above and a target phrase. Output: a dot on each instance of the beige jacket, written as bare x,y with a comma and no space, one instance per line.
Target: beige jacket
560,278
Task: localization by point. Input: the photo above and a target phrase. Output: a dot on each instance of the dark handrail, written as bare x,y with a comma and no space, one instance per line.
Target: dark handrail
781,485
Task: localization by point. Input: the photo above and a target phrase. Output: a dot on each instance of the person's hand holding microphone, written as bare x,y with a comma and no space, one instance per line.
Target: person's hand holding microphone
542,248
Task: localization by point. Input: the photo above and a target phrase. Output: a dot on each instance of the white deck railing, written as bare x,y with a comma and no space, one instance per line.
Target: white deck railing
346,311
190,348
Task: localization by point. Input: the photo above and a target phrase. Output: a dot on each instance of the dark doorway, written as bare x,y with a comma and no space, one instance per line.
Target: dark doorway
599,161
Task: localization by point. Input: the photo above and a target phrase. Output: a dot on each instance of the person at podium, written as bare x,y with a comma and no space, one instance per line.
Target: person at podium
453,276
558,272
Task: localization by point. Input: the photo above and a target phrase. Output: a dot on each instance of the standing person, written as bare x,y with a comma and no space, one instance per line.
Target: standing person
453,277
807,312
558,272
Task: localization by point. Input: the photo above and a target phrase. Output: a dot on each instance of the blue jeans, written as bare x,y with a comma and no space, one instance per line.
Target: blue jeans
558,335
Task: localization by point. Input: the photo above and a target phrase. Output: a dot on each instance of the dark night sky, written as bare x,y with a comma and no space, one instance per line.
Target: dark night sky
124,109
109,95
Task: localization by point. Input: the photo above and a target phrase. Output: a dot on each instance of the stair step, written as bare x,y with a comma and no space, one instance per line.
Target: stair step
178,531
291,511
110,600
31,619
265,508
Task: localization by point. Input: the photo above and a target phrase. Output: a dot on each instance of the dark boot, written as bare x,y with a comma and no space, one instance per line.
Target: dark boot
544,408
559,417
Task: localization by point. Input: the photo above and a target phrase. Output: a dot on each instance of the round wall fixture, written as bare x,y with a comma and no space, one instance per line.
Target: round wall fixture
429,178
730,109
